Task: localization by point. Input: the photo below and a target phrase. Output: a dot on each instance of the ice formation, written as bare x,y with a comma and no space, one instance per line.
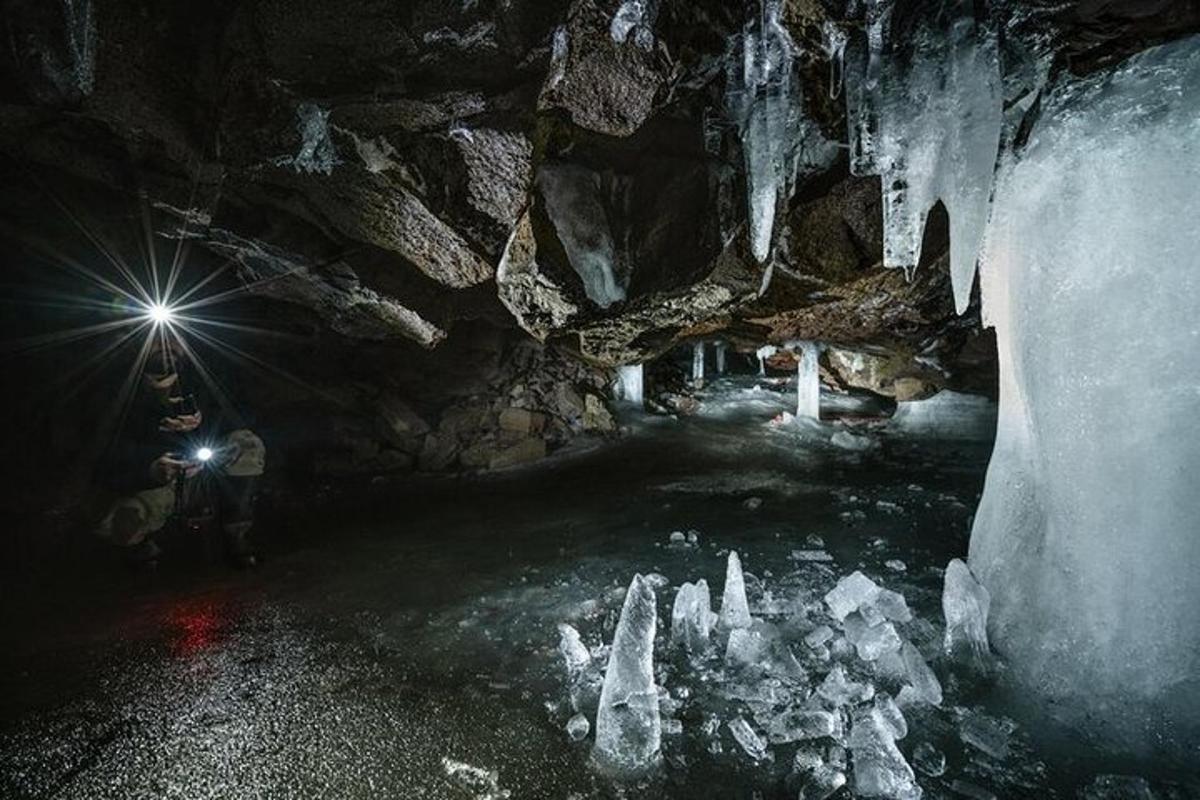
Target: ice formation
577,212
317,151
628,727
763,353
629,383
1086,532
764,104
634,17
735,610
698,363
965,604
928,121
808,382
851,593
880,769
691,616
720,348
946,415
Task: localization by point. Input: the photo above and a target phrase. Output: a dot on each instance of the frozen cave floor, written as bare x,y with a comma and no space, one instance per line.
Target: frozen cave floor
409,647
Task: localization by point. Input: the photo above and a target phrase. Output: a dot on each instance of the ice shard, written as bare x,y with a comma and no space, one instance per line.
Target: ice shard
628,727
691,616
630,384
965,605
735,610
1086,531
808,382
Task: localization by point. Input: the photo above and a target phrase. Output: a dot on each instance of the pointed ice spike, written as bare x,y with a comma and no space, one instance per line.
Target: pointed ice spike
628,728
735,610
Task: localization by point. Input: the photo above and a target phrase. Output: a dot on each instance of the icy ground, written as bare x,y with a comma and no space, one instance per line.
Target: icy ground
413,647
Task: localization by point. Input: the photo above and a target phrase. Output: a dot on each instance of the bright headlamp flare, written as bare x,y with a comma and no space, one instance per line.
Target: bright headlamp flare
204,454
160,313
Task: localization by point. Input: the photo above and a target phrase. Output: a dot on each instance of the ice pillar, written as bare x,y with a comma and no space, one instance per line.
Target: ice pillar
628,729
698,364
808,382
763,353
721,348
1086,534
630,383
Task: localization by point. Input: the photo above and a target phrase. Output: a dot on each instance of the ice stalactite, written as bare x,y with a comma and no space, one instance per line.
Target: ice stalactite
630,383
698,364
735,609
628,727
929,124
763,353
808,381
764,104
1086,531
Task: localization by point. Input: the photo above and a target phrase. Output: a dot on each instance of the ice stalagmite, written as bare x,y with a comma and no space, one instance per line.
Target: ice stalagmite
1086,535
735,610
691,616
808,382
629,383
628,729
764,104
698,363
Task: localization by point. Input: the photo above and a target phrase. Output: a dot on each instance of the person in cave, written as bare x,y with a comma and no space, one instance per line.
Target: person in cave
176,457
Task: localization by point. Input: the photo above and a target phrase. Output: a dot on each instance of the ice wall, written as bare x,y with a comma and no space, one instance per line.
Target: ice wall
808,382
1087,531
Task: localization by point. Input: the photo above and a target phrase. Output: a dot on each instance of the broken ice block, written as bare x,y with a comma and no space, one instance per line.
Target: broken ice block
735,610
819,636
750,742
871,642
578,727
851,592
929,760
923,685
691,616
839,691
628,728
879,767
893,606
746,648
824,781
890,713
796,724
987,734
965,604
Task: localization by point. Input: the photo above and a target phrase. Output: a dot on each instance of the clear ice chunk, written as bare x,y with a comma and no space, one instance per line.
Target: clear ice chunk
750,742
965,604
578,728
880,769
824,781
987,734
796,724
839,691
628,726
691,616
735,609
871,641
851,592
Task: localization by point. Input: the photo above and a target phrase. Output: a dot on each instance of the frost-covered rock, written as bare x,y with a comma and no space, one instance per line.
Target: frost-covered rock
735,609
965,605
691,616
628,726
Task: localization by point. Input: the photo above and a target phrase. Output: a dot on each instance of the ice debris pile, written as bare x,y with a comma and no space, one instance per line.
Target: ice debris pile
816,685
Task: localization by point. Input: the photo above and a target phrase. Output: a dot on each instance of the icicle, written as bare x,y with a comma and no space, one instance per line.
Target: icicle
698,364
629,383
808,382
863,72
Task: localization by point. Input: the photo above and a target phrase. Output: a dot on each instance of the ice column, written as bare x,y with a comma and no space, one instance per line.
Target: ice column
1086,535
698,364
808,382
761,100
629,383
763,353
628,729
721,347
